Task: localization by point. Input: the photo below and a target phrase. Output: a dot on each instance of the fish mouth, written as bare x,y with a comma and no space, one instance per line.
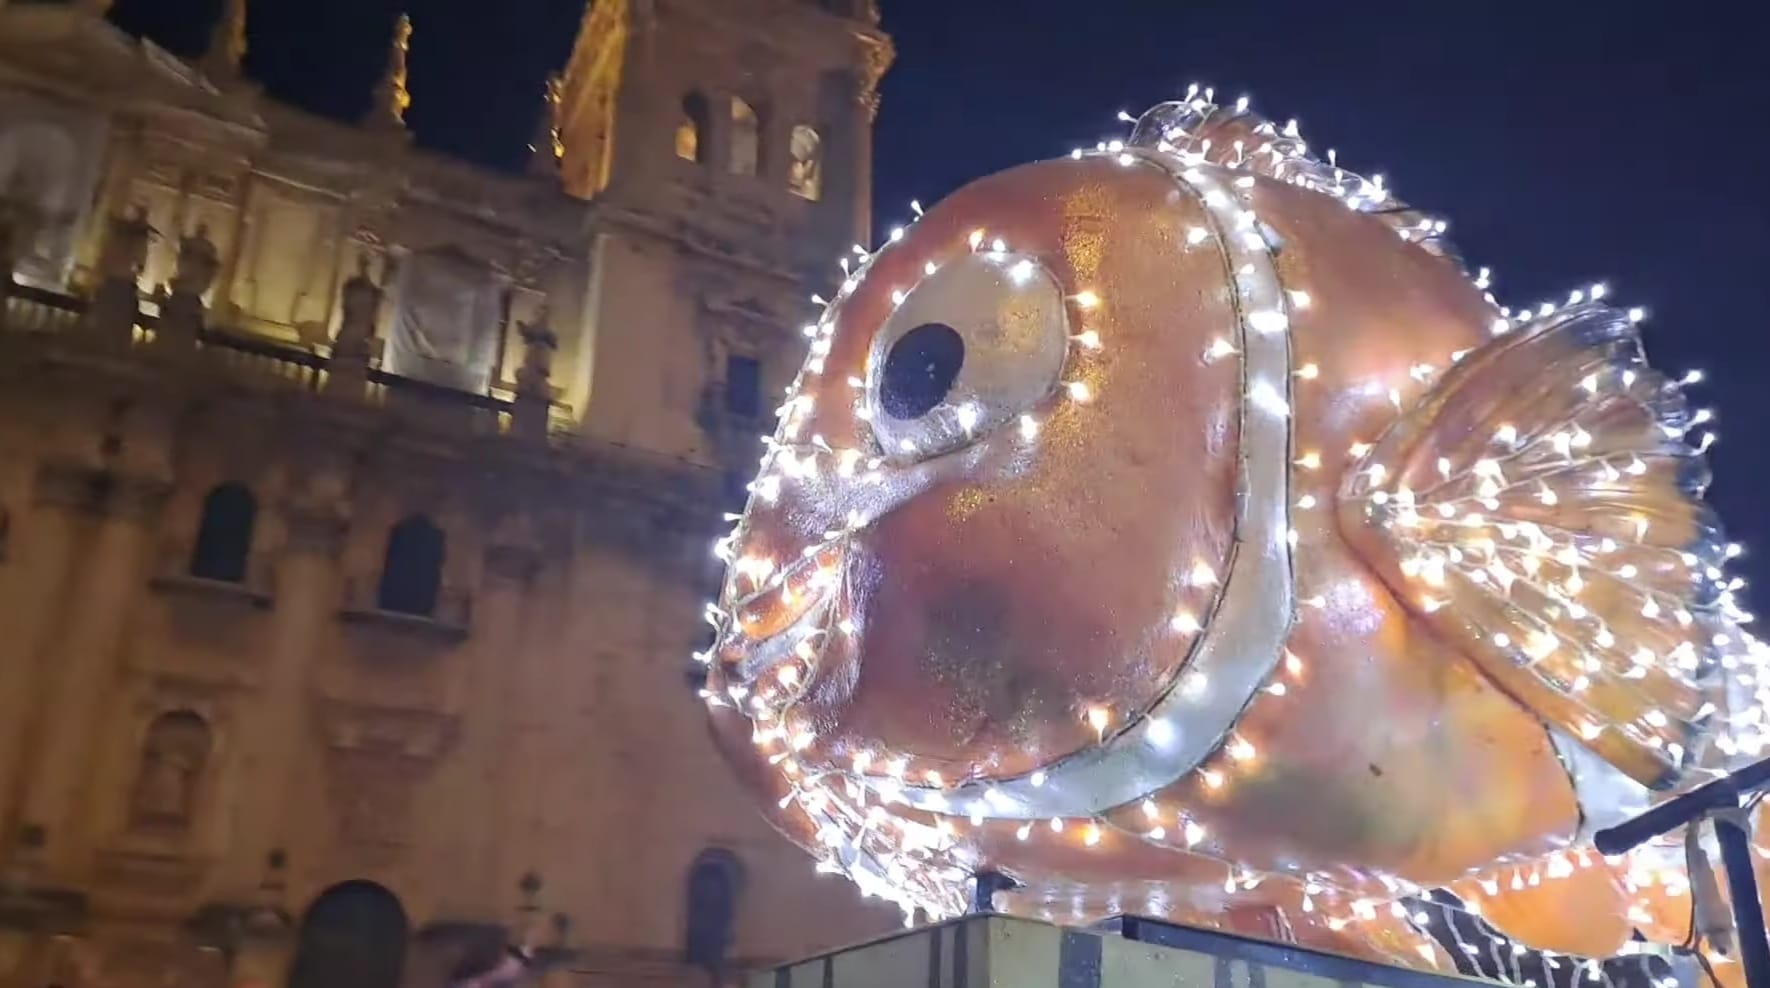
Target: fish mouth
777,634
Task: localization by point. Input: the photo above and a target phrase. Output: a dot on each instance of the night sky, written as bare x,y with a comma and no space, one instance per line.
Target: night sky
1565,142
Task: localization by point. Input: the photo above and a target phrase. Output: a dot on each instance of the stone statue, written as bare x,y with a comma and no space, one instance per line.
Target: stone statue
539,345
360,308
125,249
360,300
361,303
198,263
172,760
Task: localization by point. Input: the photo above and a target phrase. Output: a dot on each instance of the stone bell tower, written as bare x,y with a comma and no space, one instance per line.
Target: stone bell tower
727,147
735,87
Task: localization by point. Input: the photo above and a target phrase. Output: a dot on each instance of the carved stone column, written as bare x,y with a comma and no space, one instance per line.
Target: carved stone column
484,777
876,57
81,662
34,583
315,520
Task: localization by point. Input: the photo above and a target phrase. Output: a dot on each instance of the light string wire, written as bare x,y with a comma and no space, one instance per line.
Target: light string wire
860,845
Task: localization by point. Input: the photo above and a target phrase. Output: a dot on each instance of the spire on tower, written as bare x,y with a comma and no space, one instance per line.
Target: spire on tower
548,147
227,42
391,96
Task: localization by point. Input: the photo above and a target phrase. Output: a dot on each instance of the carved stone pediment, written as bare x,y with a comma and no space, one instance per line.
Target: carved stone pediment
377,756
152,873
396,732
192,687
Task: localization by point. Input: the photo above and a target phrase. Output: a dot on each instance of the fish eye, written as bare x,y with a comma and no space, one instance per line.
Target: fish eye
920,370
972,345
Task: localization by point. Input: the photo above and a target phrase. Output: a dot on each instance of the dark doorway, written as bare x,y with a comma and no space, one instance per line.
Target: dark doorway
353,936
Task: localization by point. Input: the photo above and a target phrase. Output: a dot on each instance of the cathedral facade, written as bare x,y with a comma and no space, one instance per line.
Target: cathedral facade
356,504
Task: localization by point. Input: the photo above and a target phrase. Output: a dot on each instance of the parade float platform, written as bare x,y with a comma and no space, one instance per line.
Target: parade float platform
996,951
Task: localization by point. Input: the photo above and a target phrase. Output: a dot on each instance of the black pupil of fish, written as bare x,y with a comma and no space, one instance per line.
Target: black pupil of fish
920,370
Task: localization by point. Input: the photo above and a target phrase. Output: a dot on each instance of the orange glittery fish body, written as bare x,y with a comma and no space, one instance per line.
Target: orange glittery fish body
1176,529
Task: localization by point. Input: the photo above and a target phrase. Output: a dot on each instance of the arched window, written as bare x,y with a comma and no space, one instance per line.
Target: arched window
746,137
224,536
411,574
713,886
805,172
174,752
353,936
691,129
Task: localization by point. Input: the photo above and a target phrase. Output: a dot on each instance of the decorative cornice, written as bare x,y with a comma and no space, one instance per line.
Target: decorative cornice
88,488
876,53
415,733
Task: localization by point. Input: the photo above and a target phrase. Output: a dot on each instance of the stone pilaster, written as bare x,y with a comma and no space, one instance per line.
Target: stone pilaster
80,661
306,605
484,777
34,584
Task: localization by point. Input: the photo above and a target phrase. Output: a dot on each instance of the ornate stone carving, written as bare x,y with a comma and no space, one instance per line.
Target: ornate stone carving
391,97
198,263
539,343
377,755
532,262
174,754
876,55
126,246
89,487
360,300
227,41
548,147
514,550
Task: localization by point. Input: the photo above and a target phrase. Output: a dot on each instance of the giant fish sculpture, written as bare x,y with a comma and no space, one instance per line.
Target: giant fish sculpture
1175,529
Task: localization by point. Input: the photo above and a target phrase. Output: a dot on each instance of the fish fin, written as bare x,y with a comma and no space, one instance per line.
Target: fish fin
1539,507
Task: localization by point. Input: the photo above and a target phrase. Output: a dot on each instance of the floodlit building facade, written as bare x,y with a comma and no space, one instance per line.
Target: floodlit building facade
356,503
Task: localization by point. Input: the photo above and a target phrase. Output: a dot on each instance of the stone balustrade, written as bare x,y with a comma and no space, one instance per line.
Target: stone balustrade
174,326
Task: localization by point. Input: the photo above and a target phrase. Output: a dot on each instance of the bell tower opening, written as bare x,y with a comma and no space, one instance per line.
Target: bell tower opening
752,100
729,143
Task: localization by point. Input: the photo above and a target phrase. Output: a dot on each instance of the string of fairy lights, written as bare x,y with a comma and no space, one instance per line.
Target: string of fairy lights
1457,539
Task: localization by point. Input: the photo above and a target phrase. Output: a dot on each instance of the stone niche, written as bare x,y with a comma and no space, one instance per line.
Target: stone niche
290,260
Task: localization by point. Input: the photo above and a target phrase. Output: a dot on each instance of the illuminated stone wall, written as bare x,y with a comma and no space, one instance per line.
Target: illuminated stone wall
187,760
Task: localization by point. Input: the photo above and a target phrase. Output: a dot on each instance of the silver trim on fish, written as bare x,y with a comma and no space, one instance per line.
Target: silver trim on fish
1244,638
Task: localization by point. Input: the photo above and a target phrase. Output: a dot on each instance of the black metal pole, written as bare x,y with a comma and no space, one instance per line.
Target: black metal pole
1733,833
1722,793
1720,801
